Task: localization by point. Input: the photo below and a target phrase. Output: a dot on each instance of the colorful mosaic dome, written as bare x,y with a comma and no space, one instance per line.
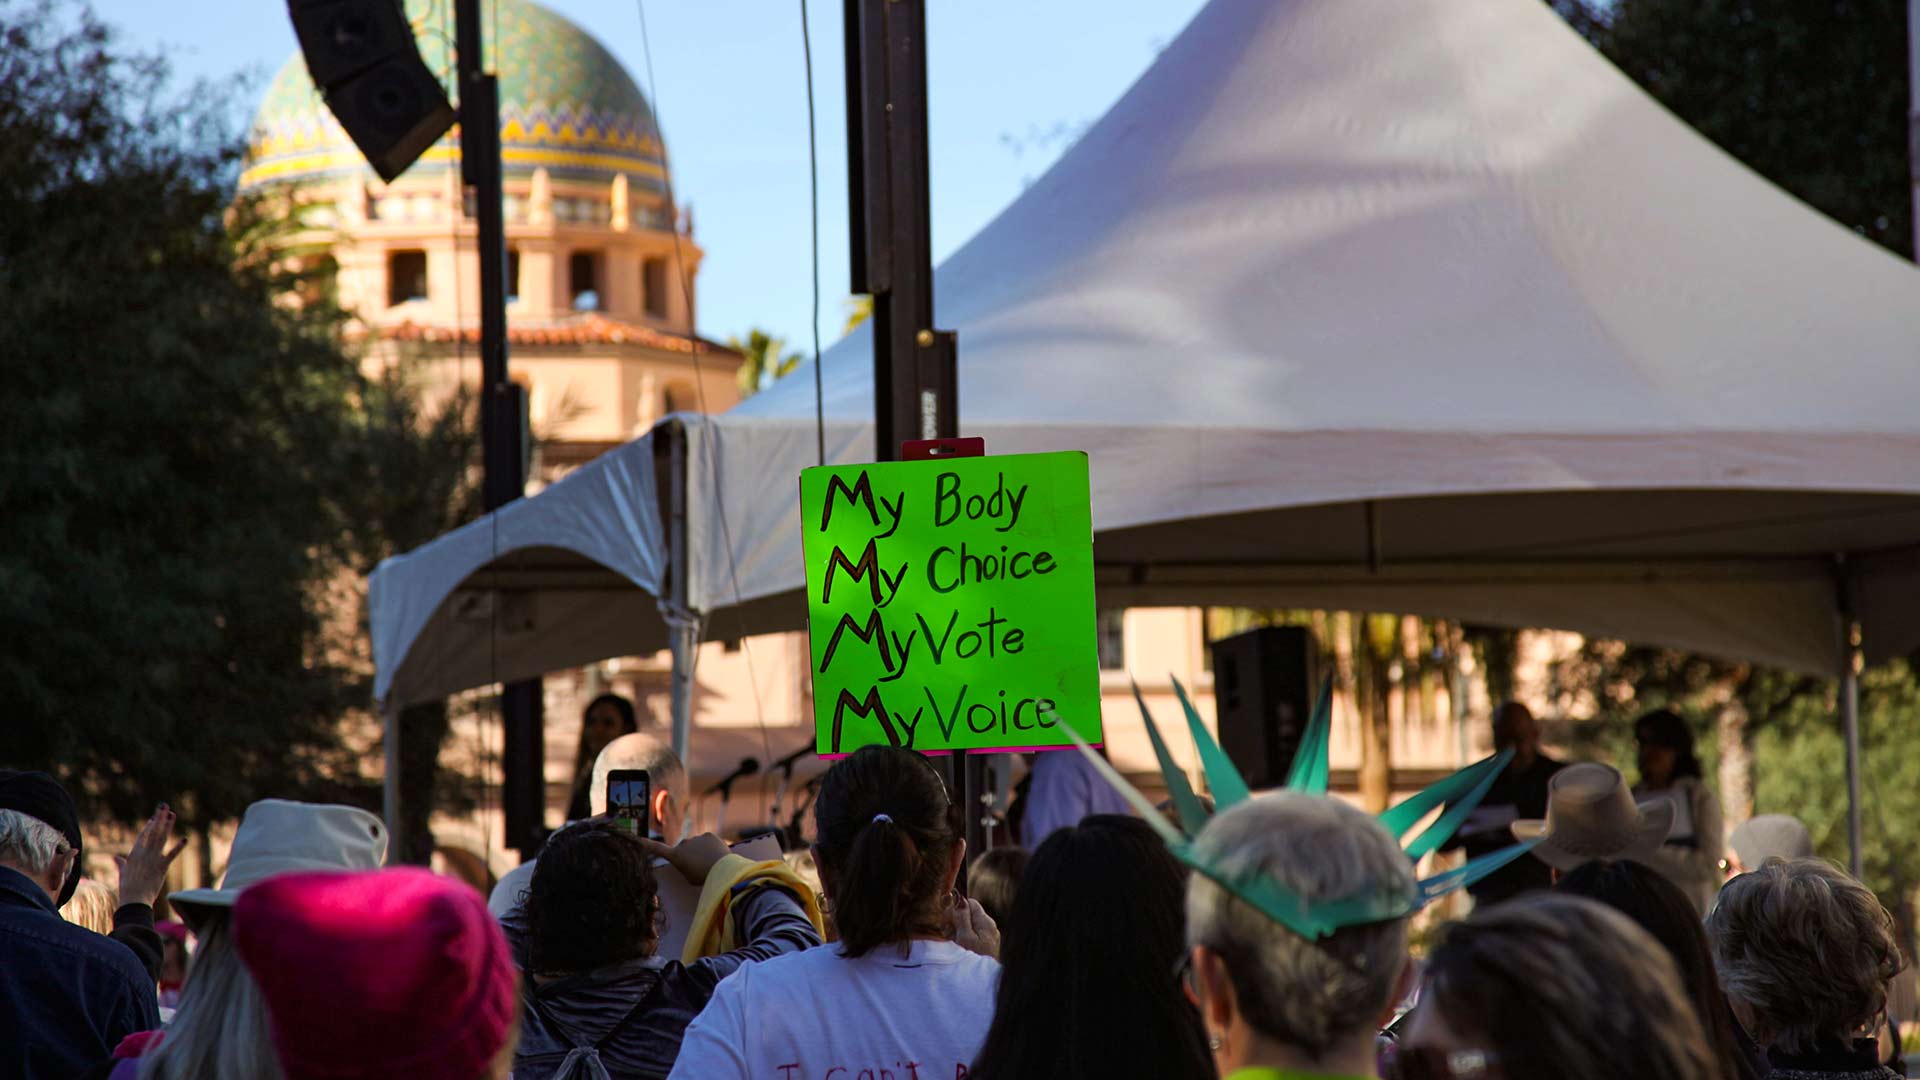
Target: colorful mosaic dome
565,104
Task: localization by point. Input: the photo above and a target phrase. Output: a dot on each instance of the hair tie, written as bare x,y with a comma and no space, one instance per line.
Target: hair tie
877,818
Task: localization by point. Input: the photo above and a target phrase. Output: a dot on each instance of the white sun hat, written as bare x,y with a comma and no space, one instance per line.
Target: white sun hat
279,836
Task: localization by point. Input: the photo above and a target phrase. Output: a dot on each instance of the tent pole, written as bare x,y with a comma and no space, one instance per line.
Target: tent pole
683,628
390,783
1849,708
1850,726
915,377
685,632
503,410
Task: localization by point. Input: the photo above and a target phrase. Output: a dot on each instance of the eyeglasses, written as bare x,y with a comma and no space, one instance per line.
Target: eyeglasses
1425,1064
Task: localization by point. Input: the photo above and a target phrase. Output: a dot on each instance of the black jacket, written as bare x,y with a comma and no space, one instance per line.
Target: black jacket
1525,790
67,994
632,1015
133,927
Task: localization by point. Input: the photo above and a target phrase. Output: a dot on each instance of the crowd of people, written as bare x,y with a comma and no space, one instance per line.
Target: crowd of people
1618,947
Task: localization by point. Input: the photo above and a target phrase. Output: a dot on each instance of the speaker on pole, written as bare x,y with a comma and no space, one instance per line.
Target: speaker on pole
362,56
1263,687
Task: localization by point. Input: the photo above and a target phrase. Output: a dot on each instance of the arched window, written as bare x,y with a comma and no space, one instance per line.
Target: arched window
653,279
583,280
406,276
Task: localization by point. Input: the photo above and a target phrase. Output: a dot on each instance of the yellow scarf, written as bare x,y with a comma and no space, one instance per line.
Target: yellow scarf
731,880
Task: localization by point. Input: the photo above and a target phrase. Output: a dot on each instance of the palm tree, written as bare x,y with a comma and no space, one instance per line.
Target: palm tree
859,310
767,359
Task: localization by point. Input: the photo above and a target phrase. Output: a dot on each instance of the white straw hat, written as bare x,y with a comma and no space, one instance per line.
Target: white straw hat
278,836
1770,836
1591,815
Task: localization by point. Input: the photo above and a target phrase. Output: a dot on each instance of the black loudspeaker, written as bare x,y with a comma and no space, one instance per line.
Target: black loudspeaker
362,56
1263,687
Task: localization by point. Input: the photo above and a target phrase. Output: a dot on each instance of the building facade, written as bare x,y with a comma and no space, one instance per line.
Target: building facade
602,266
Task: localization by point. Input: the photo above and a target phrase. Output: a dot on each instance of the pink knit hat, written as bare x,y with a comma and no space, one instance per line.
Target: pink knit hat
378,974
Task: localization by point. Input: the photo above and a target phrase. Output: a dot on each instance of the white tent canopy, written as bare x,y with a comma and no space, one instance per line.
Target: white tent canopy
1408,305
564,578
1412,305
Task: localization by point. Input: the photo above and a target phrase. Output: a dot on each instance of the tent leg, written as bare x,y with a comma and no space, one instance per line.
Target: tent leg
1849,708
686,640
390,783
1850,728
683,627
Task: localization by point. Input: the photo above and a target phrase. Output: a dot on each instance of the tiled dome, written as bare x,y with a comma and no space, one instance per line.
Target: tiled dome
565,104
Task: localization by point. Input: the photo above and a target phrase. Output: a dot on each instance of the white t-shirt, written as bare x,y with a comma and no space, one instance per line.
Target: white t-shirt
817,1015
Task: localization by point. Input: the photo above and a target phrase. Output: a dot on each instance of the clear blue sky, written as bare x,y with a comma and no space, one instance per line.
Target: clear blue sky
1010,82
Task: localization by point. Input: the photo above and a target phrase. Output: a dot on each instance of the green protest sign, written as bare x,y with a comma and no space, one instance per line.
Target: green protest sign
950,603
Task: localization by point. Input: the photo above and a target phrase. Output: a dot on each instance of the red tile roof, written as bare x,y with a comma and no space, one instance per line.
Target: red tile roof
588,328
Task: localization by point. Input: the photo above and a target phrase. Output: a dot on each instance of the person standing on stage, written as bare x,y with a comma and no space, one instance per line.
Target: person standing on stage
1519,792
1690,858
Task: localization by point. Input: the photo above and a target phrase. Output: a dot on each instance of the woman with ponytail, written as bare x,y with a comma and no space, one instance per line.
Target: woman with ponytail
908,989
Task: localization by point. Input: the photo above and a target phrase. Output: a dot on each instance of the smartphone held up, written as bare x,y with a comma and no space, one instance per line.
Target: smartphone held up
630,800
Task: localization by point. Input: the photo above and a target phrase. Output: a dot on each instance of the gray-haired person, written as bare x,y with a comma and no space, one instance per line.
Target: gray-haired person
1806,954
1269,997
67,994
667,806
1553,986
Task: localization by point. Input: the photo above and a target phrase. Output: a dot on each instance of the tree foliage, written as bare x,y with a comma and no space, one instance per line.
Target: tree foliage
1800,769
768,359
162,501
1625,681
859,309
191,463
414,457
1812,96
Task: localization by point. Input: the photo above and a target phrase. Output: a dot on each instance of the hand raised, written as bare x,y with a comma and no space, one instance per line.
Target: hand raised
144,869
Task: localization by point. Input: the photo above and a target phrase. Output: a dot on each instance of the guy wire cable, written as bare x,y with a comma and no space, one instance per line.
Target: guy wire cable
813,193
813,215
700,391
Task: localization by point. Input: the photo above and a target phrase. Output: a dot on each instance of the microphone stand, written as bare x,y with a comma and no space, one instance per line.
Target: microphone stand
725,788
747,767
811,790
785,765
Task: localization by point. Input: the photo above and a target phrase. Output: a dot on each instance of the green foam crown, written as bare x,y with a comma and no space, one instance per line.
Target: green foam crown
1459,794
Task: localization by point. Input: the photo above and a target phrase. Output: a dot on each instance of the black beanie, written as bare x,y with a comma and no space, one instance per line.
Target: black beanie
38,795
